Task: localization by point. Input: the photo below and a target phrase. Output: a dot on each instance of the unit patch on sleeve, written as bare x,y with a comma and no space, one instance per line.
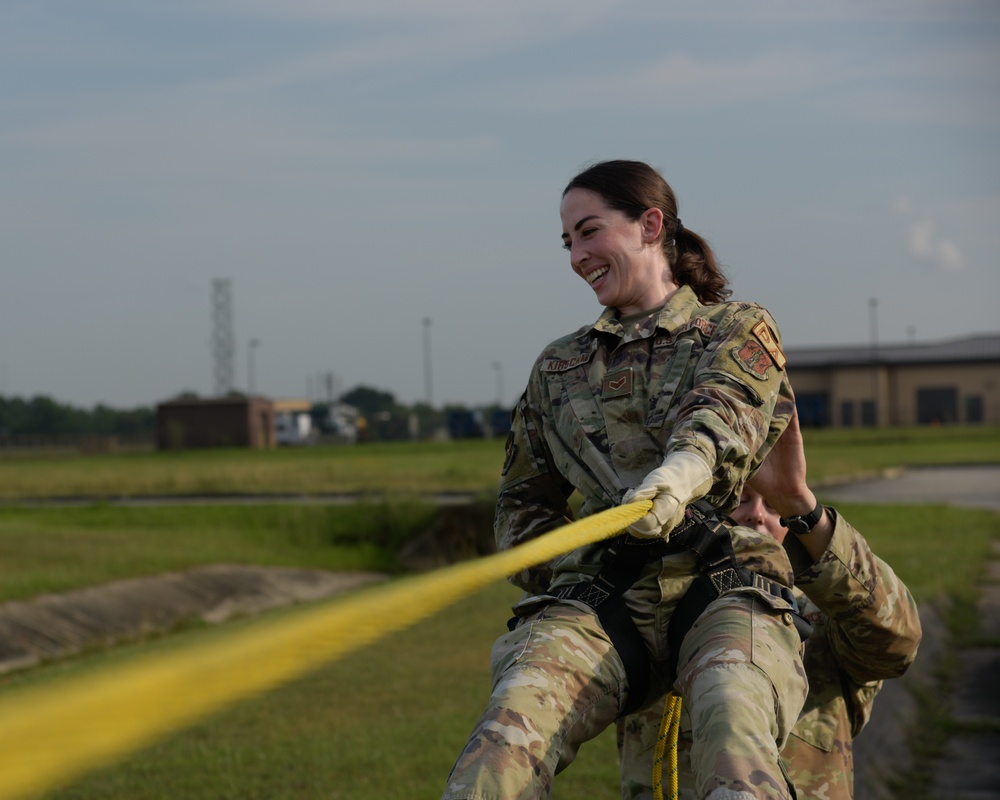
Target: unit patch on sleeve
753,359
766,338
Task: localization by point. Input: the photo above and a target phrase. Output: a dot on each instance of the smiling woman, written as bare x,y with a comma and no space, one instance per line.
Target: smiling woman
606,249
674,397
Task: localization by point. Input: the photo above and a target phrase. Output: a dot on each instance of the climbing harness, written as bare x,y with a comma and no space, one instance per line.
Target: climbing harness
718,573
706,534
623,563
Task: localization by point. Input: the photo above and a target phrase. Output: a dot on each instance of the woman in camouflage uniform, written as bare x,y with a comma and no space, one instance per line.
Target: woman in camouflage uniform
672,396
865,629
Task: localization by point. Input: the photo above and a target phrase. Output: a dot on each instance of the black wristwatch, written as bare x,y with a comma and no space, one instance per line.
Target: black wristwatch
803,523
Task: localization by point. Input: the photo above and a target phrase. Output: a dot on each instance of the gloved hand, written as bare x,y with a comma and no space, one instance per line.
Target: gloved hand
682,478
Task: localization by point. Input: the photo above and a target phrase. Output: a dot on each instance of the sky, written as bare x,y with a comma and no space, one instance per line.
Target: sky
379,180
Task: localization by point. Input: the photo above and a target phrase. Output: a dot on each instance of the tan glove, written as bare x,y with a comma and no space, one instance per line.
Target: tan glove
681,479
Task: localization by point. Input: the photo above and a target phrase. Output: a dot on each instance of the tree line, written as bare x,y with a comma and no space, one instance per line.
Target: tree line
44,416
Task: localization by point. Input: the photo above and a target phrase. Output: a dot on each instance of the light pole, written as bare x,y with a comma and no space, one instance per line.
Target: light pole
499,370
252,345
873,325
428,396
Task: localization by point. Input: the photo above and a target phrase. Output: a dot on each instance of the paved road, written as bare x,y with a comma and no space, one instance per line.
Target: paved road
970,487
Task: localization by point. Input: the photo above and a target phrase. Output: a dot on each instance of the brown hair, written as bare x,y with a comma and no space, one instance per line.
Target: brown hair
633,186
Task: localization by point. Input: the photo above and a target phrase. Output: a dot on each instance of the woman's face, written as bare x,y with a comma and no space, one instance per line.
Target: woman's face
754,512
620,258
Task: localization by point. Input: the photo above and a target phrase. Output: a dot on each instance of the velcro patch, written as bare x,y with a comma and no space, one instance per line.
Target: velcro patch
753,359
510,455
617,384
766,338
702,324
564,364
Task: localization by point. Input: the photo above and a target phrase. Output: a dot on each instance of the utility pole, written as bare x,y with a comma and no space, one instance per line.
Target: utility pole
428,394
873,325
499,370
223,342
252,345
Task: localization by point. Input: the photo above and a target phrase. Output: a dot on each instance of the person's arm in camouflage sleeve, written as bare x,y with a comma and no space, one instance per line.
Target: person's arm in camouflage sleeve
532,498
733,409
736,408
874,625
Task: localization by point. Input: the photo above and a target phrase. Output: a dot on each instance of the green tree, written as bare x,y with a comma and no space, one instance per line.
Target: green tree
369,401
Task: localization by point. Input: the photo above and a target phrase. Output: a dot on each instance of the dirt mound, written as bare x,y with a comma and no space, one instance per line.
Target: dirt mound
54,626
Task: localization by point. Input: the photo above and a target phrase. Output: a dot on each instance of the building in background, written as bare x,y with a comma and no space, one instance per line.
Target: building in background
233,421
293,422
948,382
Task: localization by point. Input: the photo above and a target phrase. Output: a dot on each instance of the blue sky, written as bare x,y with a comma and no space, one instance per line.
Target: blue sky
356,167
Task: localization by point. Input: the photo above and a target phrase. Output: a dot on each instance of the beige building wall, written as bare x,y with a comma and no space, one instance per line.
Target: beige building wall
850,391
973,383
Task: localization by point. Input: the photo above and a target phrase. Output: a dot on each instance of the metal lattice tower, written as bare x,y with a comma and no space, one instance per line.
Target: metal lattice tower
223,340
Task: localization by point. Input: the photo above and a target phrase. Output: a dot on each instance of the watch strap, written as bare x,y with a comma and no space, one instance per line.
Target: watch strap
802,524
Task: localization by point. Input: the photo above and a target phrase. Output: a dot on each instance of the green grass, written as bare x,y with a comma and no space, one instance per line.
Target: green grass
420,467
57,549
388,720
379,468
837,453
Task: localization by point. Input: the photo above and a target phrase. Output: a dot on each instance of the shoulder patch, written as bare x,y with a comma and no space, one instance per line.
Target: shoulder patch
766,338
753,359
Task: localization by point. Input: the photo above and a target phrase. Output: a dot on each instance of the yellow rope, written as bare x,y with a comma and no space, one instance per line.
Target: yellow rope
53,733
670,726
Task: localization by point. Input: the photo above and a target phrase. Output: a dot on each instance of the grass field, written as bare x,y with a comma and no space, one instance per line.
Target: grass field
58,549
389,719
420,467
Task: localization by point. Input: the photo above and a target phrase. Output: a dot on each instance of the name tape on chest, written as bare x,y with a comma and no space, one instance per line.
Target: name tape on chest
563,364
706,327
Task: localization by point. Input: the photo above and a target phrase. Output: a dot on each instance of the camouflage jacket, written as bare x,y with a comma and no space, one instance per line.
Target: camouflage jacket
604,405
865,629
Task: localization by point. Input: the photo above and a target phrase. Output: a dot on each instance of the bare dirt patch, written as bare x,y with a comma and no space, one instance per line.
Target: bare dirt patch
55,626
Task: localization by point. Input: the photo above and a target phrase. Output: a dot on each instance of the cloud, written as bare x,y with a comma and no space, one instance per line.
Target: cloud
923,242
696,81
788,12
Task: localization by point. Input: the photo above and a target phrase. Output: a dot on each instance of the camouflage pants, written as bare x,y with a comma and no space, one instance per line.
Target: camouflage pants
731,667
558,682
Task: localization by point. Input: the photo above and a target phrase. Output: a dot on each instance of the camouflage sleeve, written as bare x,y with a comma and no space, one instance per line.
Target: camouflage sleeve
740,402
875,626
532,498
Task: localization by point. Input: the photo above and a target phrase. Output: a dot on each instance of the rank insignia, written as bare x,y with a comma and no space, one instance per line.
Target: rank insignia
766,338
617,384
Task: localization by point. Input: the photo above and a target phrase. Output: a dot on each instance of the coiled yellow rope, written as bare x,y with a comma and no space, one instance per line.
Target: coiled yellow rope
670,726
50,734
